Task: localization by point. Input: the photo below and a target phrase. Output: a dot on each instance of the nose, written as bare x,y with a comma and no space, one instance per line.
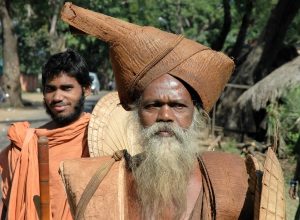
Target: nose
165,114
57,96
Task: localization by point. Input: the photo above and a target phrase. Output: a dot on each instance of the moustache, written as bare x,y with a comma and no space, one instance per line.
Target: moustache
57,104
171,128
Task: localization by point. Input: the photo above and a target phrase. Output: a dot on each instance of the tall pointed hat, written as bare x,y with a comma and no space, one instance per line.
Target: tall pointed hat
141,54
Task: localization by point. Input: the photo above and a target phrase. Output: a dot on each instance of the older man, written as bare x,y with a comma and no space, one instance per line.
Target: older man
169,176
167,81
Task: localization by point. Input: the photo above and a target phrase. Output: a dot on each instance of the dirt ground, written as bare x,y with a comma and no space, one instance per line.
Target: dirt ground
288,167
34,111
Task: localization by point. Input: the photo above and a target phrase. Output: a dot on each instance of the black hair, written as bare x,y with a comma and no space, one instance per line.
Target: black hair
194,95
69,62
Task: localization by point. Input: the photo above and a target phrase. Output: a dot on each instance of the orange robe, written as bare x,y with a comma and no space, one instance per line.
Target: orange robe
19,167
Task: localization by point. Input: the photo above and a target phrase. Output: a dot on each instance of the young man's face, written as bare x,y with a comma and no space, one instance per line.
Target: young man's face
64,98
166,100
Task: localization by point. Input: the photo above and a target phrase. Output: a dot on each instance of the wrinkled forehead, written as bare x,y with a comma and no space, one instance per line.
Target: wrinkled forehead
171,87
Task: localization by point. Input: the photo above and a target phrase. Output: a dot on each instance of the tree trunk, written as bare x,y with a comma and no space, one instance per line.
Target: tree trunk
57,42
219,42
239,43
257,64
273,35
11,66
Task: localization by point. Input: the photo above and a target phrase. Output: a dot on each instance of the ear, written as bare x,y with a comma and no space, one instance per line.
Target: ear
87,91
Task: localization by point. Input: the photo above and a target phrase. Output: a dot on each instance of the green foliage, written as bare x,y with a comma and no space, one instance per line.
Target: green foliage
199,20
31,55
290,115
32,28
230,146
273,122
284,118
293,34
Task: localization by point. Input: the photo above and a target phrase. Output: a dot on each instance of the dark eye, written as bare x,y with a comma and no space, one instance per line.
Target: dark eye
150,106
178,106
67,88
48,89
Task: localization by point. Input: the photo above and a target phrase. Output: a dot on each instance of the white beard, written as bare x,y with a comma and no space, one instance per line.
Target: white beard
163,176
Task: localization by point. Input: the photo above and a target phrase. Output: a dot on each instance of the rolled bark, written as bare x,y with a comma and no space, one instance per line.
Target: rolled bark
43,157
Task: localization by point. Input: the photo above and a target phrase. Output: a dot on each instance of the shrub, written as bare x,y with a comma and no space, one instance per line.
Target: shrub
284,120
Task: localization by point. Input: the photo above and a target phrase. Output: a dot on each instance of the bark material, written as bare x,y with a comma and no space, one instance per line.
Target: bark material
11,65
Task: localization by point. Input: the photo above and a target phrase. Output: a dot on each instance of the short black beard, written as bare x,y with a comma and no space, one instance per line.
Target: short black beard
66,120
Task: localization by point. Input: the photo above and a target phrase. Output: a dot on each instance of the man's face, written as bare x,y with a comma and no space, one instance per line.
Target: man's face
63,98
169,127
166,100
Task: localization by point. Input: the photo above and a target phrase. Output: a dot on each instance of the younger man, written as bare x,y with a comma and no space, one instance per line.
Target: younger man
66,83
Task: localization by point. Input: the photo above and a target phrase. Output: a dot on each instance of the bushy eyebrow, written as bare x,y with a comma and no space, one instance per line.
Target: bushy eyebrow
67,85
63,85
157,101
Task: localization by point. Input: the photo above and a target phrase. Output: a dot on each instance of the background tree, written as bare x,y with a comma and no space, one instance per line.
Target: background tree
247,8
40,34
220,40
257,64
11,66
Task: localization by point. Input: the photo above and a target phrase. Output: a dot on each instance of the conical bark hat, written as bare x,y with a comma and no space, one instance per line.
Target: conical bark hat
141,54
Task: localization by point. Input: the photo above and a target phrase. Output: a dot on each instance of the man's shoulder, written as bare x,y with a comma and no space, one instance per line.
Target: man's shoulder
20,124
97,170
223,166
18,130
226,175
211,155
83,120
219,158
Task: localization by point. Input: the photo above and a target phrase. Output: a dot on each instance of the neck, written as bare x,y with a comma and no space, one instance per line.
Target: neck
54,125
